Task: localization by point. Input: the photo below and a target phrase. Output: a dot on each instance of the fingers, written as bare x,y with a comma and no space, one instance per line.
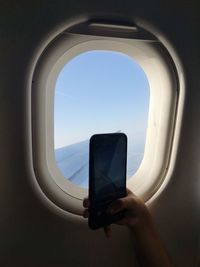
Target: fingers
86,213
86,202
129,202
130,205
115,206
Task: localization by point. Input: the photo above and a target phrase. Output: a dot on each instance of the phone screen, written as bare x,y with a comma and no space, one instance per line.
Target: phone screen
107,174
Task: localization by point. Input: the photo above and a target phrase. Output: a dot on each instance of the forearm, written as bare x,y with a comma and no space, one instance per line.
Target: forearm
149,249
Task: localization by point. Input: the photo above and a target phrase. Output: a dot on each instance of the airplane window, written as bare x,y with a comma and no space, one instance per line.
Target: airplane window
98,91
98,78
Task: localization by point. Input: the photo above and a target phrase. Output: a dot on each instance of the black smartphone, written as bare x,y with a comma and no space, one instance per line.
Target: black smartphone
107,176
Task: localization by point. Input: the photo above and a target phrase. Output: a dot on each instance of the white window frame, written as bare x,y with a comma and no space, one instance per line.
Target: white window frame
164,84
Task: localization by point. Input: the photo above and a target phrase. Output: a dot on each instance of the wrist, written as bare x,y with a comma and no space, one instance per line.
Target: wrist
143,224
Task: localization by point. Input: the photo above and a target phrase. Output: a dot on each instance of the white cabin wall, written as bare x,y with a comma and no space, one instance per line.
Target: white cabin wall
30,233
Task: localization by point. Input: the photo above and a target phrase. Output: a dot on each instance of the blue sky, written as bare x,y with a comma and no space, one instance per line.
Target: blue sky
99,92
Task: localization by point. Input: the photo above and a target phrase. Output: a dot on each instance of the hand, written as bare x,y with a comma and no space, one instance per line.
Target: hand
86,205
148,246
136,214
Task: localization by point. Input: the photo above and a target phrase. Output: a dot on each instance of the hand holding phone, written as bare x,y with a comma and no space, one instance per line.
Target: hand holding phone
107,176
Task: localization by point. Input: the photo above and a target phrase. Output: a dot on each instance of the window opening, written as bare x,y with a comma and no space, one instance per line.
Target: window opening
98,91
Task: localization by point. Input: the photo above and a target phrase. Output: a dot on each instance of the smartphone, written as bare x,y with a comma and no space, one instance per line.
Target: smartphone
107,176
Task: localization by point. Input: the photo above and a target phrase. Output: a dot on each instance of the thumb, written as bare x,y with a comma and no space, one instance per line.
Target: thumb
128,203
116,206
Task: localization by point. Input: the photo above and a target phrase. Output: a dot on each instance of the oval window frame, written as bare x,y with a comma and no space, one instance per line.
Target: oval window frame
161,121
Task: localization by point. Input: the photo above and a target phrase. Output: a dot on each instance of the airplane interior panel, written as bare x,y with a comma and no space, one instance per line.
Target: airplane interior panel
43,180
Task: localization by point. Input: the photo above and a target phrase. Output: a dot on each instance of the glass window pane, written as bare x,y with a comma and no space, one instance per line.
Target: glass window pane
98,92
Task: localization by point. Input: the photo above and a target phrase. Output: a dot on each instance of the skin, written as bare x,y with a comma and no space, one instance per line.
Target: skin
149,249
